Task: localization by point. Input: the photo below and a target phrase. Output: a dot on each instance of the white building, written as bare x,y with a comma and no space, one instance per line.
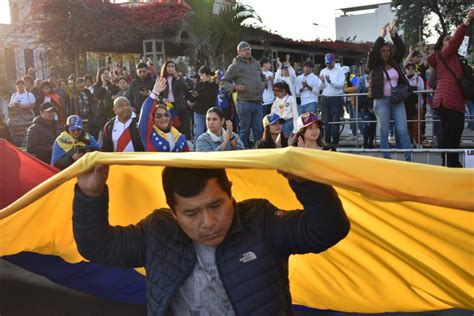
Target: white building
362,24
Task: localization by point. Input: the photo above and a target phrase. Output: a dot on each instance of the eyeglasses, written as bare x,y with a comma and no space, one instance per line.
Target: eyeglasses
161,115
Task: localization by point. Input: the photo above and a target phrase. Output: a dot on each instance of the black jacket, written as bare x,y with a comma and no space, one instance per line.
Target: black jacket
133,93
108,144
376,74
40,138
259,286
207,97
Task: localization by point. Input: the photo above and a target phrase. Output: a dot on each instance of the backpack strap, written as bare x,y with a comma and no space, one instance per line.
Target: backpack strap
440,56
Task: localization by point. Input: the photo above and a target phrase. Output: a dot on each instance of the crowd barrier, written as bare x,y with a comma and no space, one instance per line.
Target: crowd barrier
427,119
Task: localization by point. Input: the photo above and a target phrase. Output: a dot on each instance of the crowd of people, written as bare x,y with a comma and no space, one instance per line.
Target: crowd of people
248,105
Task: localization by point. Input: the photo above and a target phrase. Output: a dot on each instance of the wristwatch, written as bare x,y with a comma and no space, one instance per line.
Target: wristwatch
232,138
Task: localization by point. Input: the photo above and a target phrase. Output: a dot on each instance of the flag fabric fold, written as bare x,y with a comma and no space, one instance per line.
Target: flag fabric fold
409,249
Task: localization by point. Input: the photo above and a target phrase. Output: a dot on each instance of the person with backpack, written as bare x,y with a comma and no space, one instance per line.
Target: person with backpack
449,98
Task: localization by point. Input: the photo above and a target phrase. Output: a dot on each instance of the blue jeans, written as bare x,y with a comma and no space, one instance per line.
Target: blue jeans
331,108
199,125
250,115
351,110
308,107
384,111
287,128
266,108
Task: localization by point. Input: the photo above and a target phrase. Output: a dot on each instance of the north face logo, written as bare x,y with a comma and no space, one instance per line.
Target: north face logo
248,256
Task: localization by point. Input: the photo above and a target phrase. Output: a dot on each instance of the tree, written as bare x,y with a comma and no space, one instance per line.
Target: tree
415,15
72,27
213,38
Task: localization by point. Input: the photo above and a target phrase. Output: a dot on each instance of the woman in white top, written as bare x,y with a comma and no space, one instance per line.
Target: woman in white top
286,108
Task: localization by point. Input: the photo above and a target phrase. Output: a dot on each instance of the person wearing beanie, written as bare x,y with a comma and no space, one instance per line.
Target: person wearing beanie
245,77
42,133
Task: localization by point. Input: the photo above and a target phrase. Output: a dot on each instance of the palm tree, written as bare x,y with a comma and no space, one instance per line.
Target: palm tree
213,37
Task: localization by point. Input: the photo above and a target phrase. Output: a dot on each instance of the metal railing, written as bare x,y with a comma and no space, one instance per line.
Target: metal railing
357,121
423,155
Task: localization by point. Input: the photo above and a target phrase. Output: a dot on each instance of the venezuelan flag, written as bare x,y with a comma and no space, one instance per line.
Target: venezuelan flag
409,249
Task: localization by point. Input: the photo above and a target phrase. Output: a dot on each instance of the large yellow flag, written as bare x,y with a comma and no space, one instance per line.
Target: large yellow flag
409,249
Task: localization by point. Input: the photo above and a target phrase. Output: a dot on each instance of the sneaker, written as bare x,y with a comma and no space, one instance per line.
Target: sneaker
351,138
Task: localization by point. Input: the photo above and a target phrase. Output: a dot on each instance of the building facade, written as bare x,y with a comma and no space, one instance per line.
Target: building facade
362,24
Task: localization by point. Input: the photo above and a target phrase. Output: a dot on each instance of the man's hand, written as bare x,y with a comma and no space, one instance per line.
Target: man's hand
328,79
392,28
160,85
278,141
76,156
279,63
239,88
469,17
301,142
228,130
321,77
92,183
383,31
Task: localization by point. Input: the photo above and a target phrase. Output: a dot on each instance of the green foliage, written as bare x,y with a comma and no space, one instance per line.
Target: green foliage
415,16
213,37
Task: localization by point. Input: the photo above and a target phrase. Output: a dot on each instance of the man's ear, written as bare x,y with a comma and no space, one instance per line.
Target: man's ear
173,212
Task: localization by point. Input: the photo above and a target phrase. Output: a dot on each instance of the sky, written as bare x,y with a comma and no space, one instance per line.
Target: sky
4,12
294,18
289,18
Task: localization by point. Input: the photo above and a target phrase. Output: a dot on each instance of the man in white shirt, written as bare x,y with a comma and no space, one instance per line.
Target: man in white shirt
332,79
307,88
268,96
121,134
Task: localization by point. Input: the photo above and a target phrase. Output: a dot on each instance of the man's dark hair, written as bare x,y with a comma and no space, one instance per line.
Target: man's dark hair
188,182
308,63
141,65
263,61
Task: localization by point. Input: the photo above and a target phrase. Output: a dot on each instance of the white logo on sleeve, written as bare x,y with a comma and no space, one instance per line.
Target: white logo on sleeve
248,256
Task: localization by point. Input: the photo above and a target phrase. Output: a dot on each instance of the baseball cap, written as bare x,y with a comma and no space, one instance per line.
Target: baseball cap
74,122
271,119
47,106
329,58
306,119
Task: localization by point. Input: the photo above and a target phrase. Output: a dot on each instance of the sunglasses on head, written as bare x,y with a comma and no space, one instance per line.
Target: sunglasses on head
161,115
